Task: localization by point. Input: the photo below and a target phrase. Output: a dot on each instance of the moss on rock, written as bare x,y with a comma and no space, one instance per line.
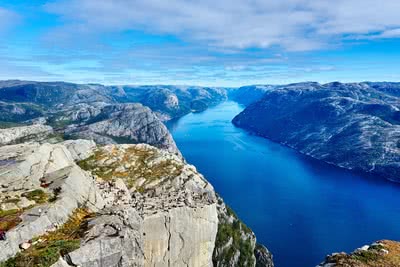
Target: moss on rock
47,249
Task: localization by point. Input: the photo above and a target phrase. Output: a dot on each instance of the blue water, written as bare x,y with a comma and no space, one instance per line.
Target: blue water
301,209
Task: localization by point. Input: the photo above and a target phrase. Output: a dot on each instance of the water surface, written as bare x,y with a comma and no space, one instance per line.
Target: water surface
300,208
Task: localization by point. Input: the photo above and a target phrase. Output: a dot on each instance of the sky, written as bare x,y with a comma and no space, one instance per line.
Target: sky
210,42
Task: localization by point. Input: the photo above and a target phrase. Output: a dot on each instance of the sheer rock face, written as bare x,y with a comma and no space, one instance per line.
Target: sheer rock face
182,236
354,126
176,203
15,135
125,123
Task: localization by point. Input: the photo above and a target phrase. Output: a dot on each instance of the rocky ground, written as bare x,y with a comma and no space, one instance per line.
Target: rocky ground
384,253
354,126
74,203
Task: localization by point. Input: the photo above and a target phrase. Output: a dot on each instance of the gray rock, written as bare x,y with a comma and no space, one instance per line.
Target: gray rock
36,132
263,256
125,123
114,239
80,149
353,126
25,167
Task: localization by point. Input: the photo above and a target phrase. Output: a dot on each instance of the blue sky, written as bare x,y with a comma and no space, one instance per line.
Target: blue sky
209,42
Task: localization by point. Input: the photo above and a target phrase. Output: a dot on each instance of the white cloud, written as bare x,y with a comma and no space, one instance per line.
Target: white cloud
295,25
7,19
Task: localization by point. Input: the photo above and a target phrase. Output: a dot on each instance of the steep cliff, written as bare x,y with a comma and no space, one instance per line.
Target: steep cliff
354,126
78,204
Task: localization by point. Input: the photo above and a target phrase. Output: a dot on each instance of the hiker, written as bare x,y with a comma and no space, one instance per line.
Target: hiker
2,235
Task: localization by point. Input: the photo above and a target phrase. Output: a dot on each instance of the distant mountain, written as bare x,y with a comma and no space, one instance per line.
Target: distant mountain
355,126
105,114
247,95
123,123
167,101
171,102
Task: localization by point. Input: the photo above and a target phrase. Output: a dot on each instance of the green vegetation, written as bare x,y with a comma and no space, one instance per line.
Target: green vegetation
9,219
233,231
366,256
56,137
37,195
11,200
43,254
4,213
54,244
59,124
7,124
136,164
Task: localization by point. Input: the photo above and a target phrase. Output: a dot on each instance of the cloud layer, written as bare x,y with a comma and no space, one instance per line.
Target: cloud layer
295,25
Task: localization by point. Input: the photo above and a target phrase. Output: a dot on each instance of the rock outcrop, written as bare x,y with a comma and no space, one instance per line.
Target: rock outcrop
177,204
40,188
354,126
123,123
23,134
78,204
381,253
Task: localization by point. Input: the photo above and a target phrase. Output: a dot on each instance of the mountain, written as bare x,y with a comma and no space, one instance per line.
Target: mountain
106,114
355,126
247,95
120,123
78,203
167,101
171,102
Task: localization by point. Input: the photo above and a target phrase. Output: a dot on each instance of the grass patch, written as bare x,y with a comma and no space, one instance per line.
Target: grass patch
12,200
366,256
140,166
9,219
4,213
54,244
37,195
